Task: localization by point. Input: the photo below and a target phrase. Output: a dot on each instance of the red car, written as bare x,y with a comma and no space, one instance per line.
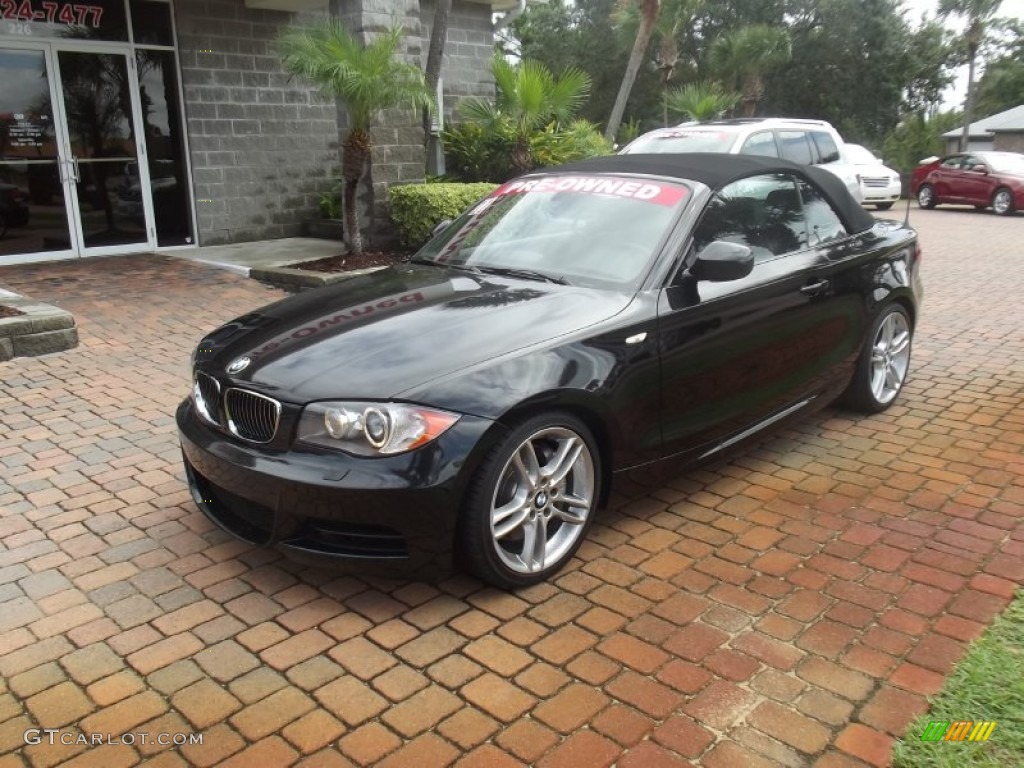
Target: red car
983,179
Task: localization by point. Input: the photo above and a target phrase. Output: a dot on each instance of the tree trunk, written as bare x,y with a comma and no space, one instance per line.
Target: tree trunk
649,10
965,137
355,152
435,56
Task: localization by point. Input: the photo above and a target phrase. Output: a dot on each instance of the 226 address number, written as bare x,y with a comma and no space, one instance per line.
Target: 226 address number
52,12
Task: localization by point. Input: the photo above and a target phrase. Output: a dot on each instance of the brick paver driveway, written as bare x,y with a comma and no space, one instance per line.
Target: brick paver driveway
793,605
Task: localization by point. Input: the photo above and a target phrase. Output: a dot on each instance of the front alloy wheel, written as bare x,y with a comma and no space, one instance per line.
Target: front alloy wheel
1002,202
926,196
883,364
531,502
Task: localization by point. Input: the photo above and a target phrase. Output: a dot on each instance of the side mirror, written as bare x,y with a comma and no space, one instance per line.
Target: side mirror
979,168
722,261
442,225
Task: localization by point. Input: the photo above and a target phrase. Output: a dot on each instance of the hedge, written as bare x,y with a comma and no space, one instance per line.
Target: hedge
417,209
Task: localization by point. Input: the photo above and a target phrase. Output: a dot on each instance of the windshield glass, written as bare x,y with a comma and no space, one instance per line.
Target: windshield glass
682,140
600,231
1006,162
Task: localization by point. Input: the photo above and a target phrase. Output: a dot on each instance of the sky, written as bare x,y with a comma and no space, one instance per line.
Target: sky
954,97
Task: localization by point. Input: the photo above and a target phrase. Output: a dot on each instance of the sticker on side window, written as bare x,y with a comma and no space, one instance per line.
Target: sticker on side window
661,194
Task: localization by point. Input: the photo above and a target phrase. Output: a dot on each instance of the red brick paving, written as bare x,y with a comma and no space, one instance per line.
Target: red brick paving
794,605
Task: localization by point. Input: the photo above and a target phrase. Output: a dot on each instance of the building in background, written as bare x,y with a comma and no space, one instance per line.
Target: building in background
139,125
1002,132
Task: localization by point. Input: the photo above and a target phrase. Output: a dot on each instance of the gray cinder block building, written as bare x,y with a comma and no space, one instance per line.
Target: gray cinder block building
139,125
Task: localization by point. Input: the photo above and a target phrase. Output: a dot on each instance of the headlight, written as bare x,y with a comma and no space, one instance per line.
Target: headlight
372,429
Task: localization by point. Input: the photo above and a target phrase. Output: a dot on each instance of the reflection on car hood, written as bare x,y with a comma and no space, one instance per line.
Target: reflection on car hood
374,336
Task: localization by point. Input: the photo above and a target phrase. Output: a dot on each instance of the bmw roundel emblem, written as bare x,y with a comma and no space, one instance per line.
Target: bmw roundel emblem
239,365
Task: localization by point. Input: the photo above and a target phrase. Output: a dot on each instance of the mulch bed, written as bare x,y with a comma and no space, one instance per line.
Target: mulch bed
9,311
347,262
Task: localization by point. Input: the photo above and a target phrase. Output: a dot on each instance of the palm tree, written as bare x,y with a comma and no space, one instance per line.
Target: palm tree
649,10
744,57
701,101
978,14
432,70
528,98
367,78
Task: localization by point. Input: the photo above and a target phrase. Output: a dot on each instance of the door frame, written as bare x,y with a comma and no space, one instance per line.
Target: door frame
59,138
50,50
141,160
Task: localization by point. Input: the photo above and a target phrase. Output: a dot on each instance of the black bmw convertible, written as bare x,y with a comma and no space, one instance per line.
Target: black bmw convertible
479,400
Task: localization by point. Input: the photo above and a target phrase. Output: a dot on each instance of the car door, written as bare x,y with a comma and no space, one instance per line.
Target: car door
737,356
976,185
947,179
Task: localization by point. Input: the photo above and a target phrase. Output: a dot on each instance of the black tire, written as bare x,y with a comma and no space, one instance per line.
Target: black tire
491,554
926,196
883,206
1002,202
863,393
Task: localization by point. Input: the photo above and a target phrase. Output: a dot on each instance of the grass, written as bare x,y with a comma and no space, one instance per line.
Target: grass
988,684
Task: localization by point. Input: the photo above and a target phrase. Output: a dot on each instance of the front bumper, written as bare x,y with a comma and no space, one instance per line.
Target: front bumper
399,511
880,194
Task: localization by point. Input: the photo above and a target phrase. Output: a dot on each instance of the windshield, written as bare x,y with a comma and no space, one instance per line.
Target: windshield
677,140
1006,162
600,231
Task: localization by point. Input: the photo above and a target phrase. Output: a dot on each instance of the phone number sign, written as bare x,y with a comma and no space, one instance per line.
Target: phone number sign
50,12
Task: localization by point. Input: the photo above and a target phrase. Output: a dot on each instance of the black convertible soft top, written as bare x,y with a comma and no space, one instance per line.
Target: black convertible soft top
716,170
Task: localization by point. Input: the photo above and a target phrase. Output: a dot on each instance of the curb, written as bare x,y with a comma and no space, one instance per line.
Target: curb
291,279
42,329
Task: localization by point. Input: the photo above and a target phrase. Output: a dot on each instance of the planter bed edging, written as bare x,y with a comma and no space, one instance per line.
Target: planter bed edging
42,329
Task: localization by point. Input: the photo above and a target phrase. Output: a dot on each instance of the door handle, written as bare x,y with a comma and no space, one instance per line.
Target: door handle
813,289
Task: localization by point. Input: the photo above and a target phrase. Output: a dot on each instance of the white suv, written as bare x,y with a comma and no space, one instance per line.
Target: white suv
808,142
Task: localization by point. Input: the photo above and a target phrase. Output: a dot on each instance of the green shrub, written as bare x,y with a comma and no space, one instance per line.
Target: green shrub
478,153
417,209
330,203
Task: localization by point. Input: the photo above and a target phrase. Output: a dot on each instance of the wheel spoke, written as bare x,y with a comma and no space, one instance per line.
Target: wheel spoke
535,543
900,343
525,462
561,464
569,516
506,519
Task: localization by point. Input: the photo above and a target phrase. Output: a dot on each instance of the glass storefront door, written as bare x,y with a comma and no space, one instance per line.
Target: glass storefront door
34,186
111,208
70,178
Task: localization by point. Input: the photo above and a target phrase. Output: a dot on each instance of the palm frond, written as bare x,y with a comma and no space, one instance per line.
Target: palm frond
367,78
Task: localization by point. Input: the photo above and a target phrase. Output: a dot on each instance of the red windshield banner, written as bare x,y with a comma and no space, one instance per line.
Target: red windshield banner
650,192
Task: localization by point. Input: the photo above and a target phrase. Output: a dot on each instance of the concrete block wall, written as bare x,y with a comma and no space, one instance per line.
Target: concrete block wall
263,147
398,154
466,67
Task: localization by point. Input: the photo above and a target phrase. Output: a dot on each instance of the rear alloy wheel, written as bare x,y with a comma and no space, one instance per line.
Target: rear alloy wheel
531,502
884,362
926,196
1002,202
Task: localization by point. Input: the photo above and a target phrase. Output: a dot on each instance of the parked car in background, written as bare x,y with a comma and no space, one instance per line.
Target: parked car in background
13,208
807,142
879,185
983,179
579,323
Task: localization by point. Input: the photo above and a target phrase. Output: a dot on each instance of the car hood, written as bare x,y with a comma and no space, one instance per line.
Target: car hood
374,336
